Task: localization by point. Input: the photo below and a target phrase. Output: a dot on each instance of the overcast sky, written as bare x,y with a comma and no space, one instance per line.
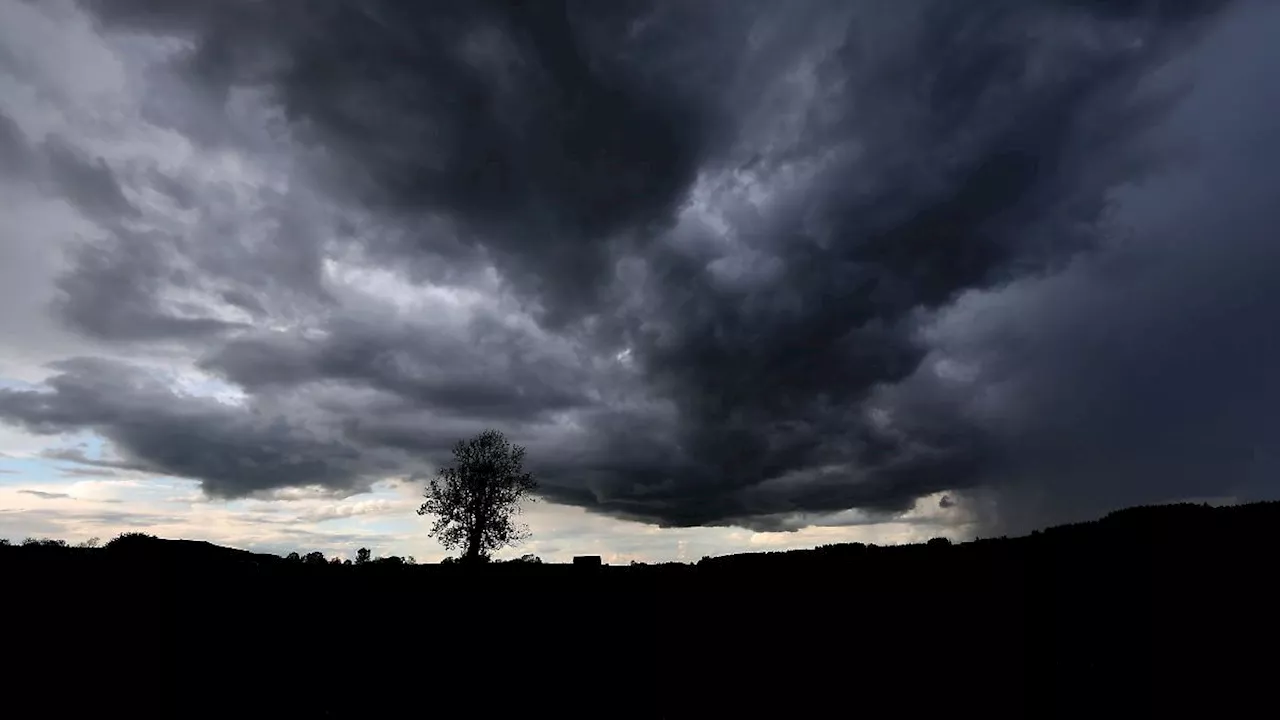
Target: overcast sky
740,274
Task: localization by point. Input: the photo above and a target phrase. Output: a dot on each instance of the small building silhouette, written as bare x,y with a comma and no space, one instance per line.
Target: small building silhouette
587,560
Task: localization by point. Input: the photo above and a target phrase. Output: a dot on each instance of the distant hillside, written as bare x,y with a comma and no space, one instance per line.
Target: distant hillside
161,550
1162,528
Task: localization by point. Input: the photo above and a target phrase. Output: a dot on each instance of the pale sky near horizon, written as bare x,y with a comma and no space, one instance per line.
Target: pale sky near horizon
741,275
44,498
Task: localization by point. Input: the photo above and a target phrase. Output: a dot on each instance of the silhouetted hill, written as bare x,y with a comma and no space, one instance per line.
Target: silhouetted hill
1147,610
198,553
1150,529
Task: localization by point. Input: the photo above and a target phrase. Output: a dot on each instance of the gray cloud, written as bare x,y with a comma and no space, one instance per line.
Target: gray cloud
720,247
111,292
87,183
94,466
15,153
480,367
87,472
52,523
45,495
233,450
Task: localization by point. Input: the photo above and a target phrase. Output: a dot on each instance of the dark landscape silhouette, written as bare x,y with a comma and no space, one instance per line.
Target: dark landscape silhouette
1144,609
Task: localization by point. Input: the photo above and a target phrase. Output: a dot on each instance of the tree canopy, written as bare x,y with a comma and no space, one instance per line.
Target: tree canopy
474,501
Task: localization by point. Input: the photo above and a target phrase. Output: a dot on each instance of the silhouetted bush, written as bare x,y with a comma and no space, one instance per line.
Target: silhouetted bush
130,539
44,543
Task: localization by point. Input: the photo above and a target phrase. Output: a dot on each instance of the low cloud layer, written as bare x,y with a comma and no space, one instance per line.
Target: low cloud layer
715,263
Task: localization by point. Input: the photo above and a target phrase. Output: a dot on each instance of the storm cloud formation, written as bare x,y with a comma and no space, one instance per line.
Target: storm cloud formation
724,262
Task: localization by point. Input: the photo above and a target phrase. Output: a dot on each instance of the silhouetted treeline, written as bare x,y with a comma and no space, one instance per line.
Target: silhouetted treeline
1154,531
1146,611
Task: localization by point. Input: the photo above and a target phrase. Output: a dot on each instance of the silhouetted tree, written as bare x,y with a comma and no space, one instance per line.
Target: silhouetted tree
293,557
363,556
474,501
314,558
131,539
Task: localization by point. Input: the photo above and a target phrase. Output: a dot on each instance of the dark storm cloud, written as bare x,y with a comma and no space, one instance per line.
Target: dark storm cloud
116,287
111,291
763,204
1145,372
94,466
15,155
1155,9
232,450
87,182
481,368
84,181
770,378
540,127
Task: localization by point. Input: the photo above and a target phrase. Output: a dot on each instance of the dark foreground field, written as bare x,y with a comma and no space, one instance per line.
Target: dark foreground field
1147,612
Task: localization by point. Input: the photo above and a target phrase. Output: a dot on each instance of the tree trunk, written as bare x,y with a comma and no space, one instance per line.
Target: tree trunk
473,546
477,527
